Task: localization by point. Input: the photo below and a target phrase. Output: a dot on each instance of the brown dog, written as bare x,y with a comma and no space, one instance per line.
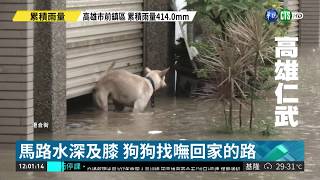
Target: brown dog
127,89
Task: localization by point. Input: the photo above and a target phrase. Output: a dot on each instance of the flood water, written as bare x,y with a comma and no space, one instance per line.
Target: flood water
184,118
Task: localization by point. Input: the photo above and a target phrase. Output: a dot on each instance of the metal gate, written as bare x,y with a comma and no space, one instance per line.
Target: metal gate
293,5
309,25
93,46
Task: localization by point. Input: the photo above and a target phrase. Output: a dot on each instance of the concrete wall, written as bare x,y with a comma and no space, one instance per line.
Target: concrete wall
16,73
159,39
50,70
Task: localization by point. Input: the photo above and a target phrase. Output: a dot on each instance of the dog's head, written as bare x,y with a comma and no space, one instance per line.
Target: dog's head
158,77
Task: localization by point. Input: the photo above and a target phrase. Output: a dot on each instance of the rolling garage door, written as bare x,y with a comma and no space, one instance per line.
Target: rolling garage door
293,5
309,25
93,46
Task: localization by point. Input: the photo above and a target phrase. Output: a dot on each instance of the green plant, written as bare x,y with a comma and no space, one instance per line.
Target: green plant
251,32
221,12
234,61
215,14
265,72
268,128
228,64
271,4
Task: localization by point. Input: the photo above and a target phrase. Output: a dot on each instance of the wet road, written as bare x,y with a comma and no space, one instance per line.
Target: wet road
173,119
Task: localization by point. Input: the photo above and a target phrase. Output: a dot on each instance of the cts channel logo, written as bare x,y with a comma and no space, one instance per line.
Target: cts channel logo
271,15
285,16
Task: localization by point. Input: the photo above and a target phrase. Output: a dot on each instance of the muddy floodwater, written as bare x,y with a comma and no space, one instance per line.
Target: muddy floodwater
184,118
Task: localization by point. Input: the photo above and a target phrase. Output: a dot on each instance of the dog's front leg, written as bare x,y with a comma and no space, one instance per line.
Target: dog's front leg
139,105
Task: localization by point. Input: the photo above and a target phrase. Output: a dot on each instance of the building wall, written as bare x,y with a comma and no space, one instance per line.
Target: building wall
50,71
84,53
16,73
309,25
93,46
159,37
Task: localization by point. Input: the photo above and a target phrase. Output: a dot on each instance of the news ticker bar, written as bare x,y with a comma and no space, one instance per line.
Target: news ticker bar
210,151
173,166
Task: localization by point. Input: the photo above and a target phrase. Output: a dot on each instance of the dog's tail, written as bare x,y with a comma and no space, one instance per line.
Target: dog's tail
110,68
